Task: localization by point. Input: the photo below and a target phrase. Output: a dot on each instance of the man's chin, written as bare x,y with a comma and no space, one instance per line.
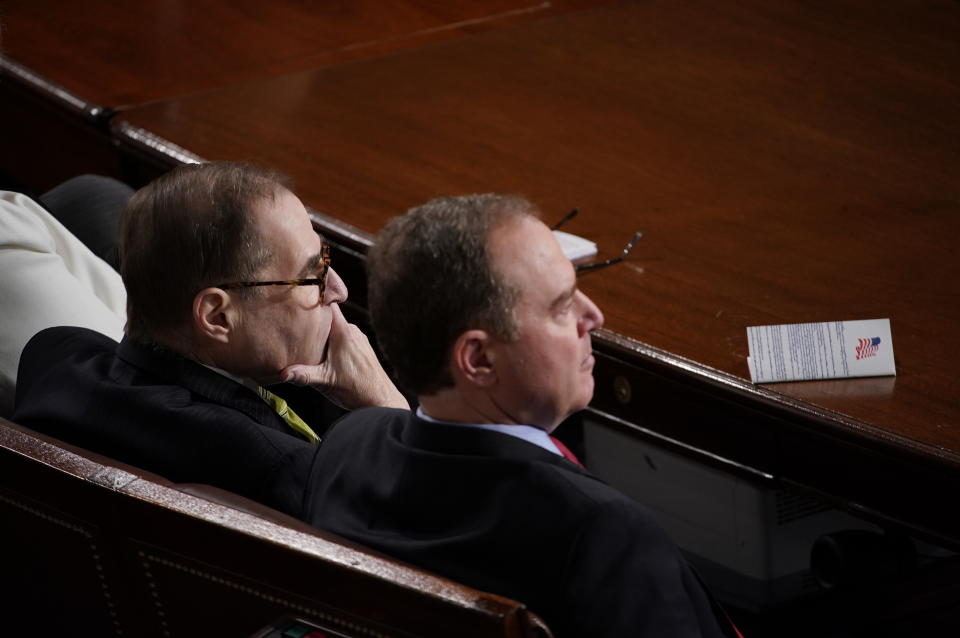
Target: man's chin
588,385
587,395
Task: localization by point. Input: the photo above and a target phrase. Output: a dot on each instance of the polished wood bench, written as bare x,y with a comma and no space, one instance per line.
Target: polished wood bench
94,545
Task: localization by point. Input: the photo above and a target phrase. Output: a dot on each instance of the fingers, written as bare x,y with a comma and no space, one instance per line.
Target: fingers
324,373
298,374
350,375
339,328
339,323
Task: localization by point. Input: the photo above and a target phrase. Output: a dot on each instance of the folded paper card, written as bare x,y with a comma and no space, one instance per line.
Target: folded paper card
575,247
828,350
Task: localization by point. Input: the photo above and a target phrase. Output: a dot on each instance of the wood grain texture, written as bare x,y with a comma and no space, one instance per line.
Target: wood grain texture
115,53
788,162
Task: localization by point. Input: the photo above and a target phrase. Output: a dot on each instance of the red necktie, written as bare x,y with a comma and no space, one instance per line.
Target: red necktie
565,451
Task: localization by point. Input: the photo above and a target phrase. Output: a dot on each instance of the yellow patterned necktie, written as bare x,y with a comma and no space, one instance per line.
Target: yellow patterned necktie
288,415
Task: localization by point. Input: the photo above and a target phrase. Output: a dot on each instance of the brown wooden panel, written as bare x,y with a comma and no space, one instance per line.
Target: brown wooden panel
42,145
757,436
116,53
788,162
88,543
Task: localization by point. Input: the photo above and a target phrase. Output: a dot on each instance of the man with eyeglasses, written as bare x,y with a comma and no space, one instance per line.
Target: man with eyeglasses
479,313
229,290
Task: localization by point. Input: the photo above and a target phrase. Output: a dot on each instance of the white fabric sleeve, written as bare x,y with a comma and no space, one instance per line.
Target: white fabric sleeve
48,278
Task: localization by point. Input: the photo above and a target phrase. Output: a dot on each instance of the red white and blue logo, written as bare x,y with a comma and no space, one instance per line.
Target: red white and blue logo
868,347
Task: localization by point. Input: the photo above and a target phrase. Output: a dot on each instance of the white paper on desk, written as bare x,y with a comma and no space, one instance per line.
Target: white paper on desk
575,247
827,350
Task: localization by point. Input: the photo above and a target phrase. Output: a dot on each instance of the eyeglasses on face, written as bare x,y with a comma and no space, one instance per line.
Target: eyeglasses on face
596,265
320,282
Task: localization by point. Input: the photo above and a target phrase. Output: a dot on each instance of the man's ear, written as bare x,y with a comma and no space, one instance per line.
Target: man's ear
471,358
214,314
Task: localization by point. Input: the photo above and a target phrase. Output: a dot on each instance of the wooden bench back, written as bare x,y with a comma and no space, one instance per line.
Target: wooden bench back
90,544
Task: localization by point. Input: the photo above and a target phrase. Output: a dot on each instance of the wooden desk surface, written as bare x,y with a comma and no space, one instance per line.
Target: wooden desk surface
115,53
788,162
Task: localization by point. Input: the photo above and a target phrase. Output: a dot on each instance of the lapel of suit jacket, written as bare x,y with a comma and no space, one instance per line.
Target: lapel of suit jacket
169,367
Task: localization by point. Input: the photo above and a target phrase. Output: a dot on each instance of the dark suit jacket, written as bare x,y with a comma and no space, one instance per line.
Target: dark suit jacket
503,515
156,410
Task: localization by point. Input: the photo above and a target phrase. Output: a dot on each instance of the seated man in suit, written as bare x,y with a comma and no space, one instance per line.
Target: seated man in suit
229,289
478,311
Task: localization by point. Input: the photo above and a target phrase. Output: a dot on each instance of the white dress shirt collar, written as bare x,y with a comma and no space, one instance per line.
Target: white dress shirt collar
528,433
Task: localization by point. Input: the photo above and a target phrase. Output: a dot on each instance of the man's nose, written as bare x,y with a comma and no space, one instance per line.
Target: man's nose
591,317
336,289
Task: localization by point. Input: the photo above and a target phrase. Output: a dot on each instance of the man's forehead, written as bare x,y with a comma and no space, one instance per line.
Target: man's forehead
283,207
286,228
526,255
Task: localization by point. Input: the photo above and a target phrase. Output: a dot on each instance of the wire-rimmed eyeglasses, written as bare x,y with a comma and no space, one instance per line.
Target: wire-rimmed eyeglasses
599,264
320,282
